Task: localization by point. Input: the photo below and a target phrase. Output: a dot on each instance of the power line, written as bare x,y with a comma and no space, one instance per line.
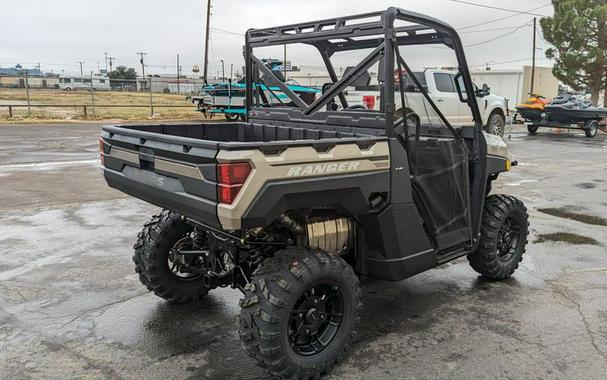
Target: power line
497,8
227,32
503,18
498,37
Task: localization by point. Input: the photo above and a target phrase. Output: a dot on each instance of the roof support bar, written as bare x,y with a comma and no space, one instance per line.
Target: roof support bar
346,80
326,58
286,90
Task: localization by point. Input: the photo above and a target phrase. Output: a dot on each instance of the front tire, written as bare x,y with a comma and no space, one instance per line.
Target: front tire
496,124
299,313
504,231
155,259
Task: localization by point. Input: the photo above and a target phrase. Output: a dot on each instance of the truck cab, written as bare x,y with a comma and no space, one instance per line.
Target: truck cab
440,85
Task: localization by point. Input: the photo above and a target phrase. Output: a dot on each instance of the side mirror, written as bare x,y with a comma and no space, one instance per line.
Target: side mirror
484,91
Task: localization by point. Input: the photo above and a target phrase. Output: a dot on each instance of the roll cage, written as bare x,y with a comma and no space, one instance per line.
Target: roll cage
378,31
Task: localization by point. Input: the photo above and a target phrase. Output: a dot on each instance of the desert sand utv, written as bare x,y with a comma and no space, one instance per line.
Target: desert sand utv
292,205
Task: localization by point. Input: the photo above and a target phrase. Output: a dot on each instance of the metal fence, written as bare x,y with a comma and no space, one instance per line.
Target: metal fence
127,99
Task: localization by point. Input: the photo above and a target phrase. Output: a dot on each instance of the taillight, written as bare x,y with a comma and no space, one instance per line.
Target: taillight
369,101
101,152
230,178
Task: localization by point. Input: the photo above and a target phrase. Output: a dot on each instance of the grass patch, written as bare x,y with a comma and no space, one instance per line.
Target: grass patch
567,214
67,99
566,237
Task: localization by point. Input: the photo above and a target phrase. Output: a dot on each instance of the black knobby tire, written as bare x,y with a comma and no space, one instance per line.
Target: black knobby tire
591,128
267,316
151,258
532,129
496,124
504,231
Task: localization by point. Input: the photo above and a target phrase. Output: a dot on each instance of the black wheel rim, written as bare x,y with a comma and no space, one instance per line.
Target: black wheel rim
508,239
315,319
173,263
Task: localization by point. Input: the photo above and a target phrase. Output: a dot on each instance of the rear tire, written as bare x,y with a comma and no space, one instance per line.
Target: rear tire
532,129
503,238
591,127
299,313
152,259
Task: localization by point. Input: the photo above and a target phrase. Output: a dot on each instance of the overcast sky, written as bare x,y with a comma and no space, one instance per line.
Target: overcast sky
59,33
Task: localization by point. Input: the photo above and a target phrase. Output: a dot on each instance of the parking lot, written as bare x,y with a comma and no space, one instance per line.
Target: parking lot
71,305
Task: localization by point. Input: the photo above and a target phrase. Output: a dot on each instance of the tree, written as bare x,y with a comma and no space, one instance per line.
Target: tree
578,32
123,77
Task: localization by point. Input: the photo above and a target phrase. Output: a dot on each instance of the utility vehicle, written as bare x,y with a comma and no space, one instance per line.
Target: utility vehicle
292,205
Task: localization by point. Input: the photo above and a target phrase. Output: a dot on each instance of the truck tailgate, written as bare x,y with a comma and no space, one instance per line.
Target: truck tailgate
171,172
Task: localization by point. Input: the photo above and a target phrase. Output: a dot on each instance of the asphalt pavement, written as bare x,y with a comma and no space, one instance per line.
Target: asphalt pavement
71,305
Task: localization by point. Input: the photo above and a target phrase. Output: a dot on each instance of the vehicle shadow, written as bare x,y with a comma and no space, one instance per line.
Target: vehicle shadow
208,328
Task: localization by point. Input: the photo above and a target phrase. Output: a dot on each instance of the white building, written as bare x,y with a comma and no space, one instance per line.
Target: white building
514,85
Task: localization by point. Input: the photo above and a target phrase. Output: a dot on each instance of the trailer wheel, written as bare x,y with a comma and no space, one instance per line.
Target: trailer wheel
299,313
231,116
158,262
532,129
503,238
591,127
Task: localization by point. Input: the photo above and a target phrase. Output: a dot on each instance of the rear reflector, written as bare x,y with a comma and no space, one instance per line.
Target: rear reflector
230,178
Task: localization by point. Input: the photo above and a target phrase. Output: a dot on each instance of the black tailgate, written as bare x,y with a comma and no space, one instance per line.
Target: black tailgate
172,172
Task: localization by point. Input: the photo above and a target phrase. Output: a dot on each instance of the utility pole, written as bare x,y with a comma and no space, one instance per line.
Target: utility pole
38,66
178,72
533,57
223,71
81,72
206,43
105,55
141,55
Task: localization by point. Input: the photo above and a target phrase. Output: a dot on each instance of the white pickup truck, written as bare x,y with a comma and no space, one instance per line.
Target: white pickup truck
440,85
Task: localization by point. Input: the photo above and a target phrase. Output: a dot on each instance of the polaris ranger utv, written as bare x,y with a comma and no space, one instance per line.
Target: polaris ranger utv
292,205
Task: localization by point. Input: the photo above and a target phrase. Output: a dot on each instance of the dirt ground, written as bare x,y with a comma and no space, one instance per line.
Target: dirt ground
71,305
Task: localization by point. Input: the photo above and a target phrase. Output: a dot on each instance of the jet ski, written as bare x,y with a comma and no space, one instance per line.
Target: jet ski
572,109
532,109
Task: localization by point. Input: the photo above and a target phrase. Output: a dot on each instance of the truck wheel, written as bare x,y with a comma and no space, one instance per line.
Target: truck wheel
503,238
532,129
496,124
591,127
299,313
158,262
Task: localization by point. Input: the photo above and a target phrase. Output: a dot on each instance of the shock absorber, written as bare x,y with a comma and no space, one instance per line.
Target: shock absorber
199,238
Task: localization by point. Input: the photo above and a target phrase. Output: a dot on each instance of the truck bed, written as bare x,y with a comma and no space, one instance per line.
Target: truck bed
174,166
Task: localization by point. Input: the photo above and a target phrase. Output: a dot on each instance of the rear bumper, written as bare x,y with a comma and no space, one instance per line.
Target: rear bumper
162,191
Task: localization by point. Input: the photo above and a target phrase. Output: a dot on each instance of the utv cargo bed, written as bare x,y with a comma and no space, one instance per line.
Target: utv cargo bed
174,166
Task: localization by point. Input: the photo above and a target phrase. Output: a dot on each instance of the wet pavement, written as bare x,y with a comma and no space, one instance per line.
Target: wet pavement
71,305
